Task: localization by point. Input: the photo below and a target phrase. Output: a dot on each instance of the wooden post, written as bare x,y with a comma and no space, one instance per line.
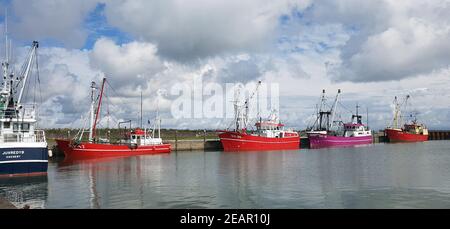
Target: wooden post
176,140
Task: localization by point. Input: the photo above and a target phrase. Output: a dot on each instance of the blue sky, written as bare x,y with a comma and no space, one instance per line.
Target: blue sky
98,26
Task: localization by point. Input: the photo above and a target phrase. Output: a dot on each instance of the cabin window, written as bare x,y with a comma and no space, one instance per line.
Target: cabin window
15,126
133,137
25,126
6,125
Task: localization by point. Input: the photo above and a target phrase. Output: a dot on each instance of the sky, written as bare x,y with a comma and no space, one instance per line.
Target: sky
372,50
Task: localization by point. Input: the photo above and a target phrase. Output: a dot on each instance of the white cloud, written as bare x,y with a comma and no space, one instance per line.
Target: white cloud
390,40
185,30
131,65
353,45
62,20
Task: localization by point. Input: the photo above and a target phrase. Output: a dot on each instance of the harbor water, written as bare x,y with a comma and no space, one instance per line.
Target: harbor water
409,175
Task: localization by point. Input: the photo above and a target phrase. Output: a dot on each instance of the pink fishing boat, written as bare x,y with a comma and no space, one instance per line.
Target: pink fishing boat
327,132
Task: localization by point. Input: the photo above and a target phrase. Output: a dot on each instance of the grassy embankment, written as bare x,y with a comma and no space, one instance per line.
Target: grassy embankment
115,134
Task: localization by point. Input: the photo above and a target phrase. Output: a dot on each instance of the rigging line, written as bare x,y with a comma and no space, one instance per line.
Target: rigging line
27,86
22,71
116,94
108,117
108,99
38,76
314,118
34,90
81,130
342,105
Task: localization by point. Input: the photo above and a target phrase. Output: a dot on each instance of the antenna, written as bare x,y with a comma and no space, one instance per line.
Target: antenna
141,108
258,108
367,113
159,118
107,110
6,36
357,107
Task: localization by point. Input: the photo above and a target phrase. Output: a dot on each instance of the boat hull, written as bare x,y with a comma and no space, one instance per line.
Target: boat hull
96,150
235,141
23,161
324,140
394,135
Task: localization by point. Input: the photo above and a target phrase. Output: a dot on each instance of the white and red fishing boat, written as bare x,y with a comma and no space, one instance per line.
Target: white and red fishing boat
134,142
269,134
327,132
410,132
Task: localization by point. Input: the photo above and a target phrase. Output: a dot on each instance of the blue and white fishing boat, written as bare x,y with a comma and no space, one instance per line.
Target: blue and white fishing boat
23,148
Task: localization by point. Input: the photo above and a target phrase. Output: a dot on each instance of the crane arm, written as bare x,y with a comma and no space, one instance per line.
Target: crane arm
27,69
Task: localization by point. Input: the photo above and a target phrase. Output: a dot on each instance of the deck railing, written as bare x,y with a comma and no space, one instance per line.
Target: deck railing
37,136
27,111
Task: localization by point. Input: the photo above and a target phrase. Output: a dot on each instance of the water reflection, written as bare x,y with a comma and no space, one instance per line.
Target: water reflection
377,176
28,191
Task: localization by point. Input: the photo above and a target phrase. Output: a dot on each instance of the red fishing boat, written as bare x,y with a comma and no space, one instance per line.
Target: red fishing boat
133,142
410,132
269,134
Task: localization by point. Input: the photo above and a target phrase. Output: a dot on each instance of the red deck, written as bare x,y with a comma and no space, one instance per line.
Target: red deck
235,141
97,150
401,136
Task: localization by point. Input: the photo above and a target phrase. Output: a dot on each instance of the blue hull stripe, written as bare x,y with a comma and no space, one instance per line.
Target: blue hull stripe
23,160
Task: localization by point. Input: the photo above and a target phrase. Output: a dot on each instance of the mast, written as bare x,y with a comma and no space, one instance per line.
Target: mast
107,113
256,92
320,111
159,118
396,110
141,108
333,109
258,108
367,113
406,103
357,107
97,114
159,127
91,126
6,36
236,109
357,116
5,65
322,101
